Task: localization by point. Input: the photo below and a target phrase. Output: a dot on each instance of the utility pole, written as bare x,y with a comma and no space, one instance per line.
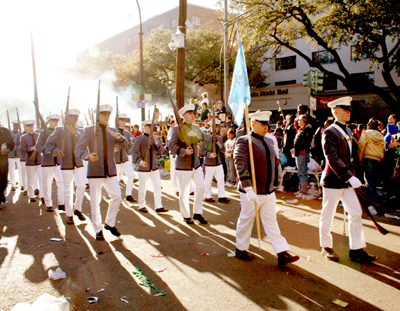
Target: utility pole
142,90
180,58
226,63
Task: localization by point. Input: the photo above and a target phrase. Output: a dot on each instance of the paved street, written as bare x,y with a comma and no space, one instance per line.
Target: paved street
191,281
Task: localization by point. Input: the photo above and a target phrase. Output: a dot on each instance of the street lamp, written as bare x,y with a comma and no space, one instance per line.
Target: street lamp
141,61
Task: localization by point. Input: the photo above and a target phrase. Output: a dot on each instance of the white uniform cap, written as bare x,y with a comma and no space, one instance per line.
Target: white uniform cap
343,102
28,122
146,122
74,112
80,124
54,117
217,121
127,124
260,116
123,116
187,108
105,108
14,122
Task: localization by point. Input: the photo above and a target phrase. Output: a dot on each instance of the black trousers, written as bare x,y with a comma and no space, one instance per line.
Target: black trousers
3,177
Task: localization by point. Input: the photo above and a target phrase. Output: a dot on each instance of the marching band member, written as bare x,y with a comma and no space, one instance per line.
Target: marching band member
101,169
71,166
266,183
148,170
6,144
339,183
13,160
22,161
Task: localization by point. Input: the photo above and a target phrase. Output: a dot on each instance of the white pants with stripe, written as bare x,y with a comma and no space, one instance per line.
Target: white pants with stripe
30,175
24,176
127,169
331,198
48,173
185,178
218,172
68,176
267,210
174,177
111,185
12,162
154,177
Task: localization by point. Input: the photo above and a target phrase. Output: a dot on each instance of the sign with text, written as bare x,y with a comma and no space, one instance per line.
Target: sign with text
141,104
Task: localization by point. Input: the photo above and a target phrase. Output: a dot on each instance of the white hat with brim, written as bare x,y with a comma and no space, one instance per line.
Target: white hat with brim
14,122
123,116
217,122
187,108
343,102
260,116
127,124
74,112
28,122
146,122
53,117
105,108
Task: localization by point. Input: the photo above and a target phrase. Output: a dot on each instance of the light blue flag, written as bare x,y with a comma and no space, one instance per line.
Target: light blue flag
240,88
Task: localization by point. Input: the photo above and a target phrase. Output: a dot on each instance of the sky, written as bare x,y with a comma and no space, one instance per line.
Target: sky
60,30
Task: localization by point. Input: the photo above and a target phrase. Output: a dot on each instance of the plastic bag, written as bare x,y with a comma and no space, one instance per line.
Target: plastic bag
58,274
313,165
45,302
282,158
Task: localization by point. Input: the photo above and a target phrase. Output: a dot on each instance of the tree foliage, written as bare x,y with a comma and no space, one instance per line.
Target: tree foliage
372,27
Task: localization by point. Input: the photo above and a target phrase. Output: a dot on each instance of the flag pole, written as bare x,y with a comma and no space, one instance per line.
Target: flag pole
253,173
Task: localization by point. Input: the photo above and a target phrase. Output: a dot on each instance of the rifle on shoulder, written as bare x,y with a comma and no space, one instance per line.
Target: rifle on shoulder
43,125
97,124
65,124
147,155
178,121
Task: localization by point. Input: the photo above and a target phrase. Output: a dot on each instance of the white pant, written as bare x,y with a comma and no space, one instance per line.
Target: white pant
352,205
267,210
85,165
155,178
185,177
11,171
114,191
127,169
68,176
174,177
24,176
30,174
48,173
218,172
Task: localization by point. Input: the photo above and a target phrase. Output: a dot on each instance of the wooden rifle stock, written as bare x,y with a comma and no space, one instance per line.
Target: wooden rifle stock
65,124
19,122
147,155
44,128
178,121
8,118
97,125
117,116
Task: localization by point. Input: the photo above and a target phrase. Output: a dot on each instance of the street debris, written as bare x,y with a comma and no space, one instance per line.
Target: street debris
170,232
145,281
308,258
45,302
205,254
124,300
56,275
195,260
231,255
340,303
56,239
101,290
159,255
93,299
160,269
294,201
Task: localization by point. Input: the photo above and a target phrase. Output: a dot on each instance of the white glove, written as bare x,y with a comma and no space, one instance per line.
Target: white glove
251,195
355,182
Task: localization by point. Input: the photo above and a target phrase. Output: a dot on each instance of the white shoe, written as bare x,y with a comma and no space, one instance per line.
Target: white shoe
308,197
299,195
227,183
281,188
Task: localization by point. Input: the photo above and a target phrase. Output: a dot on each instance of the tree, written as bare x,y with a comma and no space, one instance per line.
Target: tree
370,26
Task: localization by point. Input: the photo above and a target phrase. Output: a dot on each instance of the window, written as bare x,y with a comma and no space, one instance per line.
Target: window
129,54
285,63
116,46
285,82
323,57
129,41
330,83
152,30
196,20
106,50
135,39
174,23
352,57
161,26
363,79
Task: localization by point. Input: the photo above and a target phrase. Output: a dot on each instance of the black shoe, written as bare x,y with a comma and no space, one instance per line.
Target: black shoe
223,200
328,253
25,192
42,200
122,182
200,219
49,208
87,186
22,189
130,198
135,180
79,214
189,221
192,193
209,200
113,230
13,189
36,191
284,258
161,210
100,236
360,255
61,207
143,210
242,255
177,193
70,220
32,200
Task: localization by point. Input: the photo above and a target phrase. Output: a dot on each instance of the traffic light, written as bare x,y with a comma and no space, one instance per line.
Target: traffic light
319,82
307,78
